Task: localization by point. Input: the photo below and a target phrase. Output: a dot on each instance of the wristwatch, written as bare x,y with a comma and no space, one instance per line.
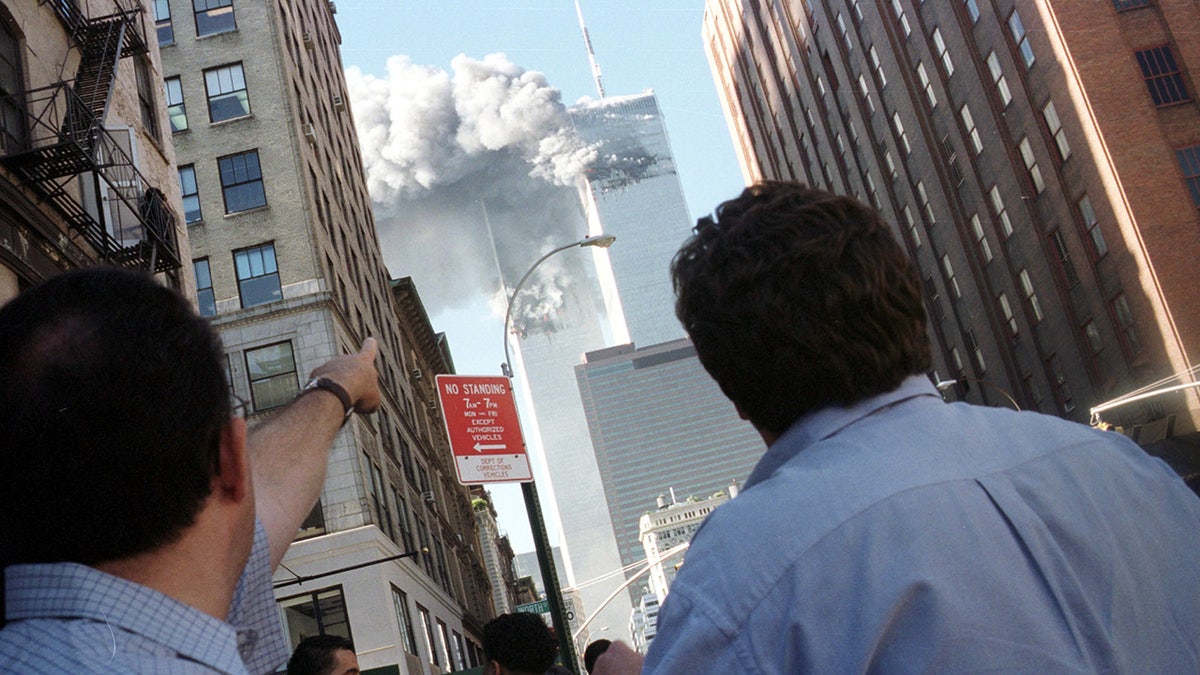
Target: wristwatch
334,388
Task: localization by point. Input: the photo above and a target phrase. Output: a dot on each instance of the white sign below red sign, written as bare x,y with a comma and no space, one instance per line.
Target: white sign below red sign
485,433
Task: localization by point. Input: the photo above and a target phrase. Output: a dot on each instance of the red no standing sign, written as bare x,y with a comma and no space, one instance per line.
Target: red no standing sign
485,434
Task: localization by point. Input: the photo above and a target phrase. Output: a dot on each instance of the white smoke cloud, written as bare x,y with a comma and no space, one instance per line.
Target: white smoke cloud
449,154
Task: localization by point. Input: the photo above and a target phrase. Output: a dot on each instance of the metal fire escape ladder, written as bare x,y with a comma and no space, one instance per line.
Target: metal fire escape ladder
73,162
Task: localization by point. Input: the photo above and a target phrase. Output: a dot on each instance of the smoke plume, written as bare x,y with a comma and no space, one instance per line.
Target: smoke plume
450,155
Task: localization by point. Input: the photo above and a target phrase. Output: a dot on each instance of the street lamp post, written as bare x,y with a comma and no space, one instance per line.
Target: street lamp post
946,384
533,506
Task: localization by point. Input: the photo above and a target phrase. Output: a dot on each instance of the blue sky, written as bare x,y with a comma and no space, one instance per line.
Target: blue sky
642,44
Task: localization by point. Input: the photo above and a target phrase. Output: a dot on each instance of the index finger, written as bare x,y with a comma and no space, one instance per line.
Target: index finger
369,349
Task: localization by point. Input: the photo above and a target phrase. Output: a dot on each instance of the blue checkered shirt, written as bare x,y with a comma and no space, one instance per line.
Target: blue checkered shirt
70,618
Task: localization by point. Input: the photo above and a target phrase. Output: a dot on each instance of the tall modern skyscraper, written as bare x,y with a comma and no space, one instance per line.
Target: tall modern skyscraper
658,423
1041,161
634,193
289,269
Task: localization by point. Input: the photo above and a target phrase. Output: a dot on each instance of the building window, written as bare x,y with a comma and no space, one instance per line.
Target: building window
407,638
1030,295
272,373
1061,388
1128,332
901,18
1001,213
972,10
427,629
976,351
1093,336
870,182
943,53
1064,258
176,111
956,357
213,16
1162,75
968,121
1099,247
866,93
406,534
1056,130
1020,38
13,136
459,659
241,181
912,227
444,643
319,613
191,194
1035,174
1006,309
926,85
845,33
257,274
205,297
985,249
890,164
227,98
1189,163
162,22
878,67
900,132
1122,5
926,208
147,103
951,280
993,63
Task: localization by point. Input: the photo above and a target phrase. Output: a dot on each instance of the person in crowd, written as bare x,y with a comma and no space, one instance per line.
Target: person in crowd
885,530
324,655
593,651
141,521
518,644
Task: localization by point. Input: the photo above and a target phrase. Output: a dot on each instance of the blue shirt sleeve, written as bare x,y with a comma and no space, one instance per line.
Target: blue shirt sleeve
254,614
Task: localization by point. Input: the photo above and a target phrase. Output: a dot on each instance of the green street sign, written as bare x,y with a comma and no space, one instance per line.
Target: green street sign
539,607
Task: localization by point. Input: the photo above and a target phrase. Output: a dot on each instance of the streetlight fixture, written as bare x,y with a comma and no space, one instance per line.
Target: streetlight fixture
533,506
946,384
599,240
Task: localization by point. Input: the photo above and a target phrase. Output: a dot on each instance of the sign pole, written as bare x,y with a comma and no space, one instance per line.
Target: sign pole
541,542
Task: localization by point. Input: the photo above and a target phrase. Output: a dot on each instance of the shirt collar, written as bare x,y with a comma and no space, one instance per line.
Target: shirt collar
826,422
74,591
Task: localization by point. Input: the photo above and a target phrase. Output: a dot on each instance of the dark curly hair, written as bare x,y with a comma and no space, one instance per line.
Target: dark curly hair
521,642
798,299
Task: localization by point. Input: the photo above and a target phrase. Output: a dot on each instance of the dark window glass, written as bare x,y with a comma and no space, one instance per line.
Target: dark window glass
241,181
191,194
204,288
227,97
1189,163
407,638
173,88
146,100
162,22
1123,5
1162,75
213,16
12,114
320,613
272,373
257,274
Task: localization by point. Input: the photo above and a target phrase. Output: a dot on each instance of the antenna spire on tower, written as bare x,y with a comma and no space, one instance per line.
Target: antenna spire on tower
587,41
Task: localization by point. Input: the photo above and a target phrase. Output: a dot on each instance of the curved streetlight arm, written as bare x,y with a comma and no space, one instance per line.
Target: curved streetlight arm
946,384
601,240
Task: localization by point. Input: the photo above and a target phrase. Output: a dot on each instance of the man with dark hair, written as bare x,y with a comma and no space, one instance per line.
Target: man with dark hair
518,644
324,655
140,522
885,530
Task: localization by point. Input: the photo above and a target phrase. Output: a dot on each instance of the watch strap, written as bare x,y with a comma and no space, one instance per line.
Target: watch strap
326,384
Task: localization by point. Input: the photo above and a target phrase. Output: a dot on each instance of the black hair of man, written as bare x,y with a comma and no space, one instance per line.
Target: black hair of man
593,651
797,299
314,655
521,642
112,402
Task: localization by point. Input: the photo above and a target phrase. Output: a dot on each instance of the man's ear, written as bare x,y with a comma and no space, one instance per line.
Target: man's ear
233,481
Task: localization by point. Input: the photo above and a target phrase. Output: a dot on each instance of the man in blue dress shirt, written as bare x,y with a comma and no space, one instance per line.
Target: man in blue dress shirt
139,521
885,530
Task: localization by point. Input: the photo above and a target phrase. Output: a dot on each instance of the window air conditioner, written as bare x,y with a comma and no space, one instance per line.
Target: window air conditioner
310,133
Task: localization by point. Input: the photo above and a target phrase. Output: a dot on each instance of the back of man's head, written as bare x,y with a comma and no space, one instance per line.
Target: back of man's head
520,642
798,299
111,404
316,655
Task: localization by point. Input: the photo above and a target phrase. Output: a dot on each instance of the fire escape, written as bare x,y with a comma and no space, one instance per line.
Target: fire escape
82,170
